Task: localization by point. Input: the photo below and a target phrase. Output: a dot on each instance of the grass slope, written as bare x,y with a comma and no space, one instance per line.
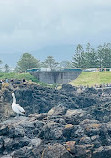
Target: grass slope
92,78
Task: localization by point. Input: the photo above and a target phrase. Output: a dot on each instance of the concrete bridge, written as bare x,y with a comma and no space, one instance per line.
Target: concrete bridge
57,77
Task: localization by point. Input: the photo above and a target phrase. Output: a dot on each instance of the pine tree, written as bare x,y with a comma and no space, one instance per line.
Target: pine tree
106,55
78,58
91,57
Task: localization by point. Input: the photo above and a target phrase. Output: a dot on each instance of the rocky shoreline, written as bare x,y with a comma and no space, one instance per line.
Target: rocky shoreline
64,123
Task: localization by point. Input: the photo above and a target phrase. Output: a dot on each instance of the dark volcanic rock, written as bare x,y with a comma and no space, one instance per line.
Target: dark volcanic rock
1,145
69,88
37,99
64,123
29,137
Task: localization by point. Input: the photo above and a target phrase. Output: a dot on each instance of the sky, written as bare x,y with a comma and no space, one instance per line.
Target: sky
51,27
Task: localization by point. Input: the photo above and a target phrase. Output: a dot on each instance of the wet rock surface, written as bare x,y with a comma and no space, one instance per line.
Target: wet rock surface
59,123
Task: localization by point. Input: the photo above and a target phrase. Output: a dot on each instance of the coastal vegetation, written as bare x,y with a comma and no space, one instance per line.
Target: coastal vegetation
84,57
19,76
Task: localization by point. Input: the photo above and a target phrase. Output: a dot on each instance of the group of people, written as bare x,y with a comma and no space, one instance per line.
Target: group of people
4,81
12,81
103,85
96,86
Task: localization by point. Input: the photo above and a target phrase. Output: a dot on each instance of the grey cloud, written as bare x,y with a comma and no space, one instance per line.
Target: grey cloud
33,24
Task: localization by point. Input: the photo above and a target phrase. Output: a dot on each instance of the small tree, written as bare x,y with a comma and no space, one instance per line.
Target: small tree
0,61
66,64
17,69
50,63
0,67
27,61
7,69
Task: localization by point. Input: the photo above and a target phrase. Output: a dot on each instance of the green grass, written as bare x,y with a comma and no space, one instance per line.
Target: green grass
18,76
27,76
92,78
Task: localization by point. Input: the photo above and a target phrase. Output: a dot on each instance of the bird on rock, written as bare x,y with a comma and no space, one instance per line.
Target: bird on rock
16,107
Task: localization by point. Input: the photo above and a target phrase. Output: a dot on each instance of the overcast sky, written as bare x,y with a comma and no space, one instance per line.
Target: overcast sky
32,25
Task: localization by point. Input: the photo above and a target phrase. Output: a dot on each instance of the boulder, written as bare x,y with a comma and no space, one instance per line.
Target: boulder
75,116
51,131
83,151
56,151
4,129
102,152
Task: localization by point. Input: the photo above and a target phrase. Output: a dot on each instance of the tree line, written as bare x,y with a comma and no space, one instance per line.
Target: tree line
84,58
27,61
91,57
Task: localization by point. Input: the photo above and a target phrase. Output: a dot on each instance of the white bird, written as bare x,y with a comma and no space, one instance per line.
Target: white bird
16,107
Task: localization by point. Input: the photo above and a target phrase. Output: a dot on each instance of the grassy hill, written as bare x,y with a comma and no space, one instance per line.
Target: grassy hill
92,78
